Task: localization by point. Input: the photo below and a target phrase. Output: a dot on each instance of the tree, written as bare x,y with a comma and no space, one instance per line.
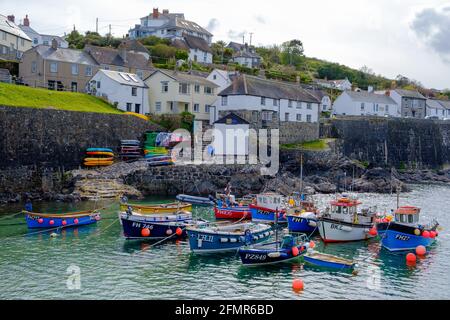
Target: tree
76,40
181,54
163,52
292,52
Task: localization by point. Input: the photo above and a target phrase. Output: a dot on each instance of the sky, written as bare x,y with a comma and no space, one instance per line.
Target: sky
391,37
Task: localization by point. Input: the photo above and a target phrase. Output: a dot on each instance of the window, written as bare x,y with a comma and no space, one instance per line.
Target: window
309,106
209,90
299,105
387,108
134,91
171,105
290,104
215,77
158,106
53,67
99,84
197,89
275,102
363,106
137,108
88,71
129,105
375,107
22,42
286,116
308,118
196,107
207,108
263,101
164,87
46,43
33,67
299,117
185,88
186,107
224,101
75,69
266,116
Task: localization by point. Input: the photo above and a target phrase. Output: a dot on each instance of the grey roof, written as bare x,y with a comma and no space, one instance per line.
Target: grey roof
188,25
445,104
410,94
232,119
197,43
124,78
254,86
435,104
28,30
12,28
185,78
111,56
134,45
236,46
364,96
319,94
65,55
247,54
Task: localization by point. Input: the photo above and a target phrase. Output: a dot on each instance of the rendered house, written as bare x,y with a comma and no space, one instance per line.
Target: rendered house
222,78
363,103
341,85
13,41
168,26
245,55
172,92
436,109
268,100
198,48
125,90
43,39
323,97
412,103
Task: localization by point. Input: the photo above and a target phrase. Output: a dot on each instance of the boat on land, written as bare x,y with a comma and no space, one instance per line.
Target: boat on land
151,228
268,207
288,249
328,261
343,223
405,232
64,220
302,217
200,201
156,208
226,238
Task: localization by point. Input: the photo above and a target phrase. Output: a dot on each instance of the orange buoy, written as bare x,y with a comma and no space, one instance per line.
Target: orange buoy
145,232
64,223
179,232
51,222
298,285
411,258
373,232
295,252
426,234
75,221
41,221
312,244
432,234
421,251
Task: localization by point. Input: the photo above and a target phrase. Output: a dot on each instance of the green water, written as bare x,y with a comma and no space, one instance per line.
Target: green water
35,266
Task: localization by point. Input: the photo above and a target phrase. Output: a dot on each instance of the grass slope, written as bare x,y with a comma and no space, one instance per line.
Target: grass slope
316,145
21,96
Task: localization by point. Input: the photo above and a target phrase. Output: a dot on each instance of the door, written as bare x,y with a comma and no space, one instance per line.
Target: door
137,108
74,87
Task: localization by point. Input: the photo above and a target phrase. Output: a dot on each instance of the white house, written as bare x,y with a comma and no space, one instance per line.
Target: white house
436,109
268,97
41,39
341,85
323,97
245,55
13,41
198,48
222,78
125,90
365,103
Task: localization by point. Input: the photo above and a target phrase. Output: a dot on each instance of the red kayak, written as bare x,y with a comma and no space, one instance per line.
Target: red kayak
233,213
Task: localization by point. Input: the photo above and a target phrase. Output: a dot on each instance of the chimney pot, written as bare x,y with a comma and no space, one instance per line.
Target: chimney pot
26,21
166,11
155,13
54,44
12,18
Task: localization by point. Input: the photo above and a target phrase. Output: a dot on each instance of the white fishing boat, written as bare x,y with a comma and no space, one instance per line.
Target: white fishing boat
342,222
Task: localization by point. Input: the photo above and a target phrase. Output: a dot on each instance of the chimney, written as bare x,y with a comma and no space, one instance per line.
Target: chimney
12,18
155,13
370,89
26,21
165,11
54,44
123,52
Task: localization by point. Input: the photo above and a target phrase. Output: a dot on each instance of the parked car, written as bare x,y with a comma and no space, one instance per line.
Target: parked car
432,118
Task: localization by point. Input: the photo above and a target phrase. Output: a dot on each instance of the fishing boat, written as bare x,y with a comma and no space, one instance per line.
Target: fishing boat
328,261
405,232
302,218
47,220
343,223
267,208
200,201
151,228
223,238
229,209
156,208
287,249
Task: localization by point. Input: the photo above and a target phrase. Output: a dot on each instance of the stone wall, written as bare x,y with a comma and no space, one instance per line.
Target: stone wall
410,143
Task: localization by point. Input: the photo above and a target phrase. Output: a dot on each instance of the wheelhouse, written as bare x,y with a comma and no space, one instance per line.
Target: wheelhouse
345,206
407,215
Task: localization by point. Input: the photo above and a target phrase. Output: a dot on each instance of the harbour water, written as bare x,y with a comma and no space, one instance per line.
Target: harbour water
37,266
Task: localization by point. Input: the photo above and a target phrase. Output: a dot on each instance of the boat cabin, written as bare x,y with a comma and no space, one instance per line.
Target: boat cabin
270,201
345,206
407,215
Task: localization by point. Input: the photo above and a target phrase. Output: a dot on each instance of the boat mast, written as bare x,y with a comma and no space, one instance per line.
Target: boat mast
276,227
398,196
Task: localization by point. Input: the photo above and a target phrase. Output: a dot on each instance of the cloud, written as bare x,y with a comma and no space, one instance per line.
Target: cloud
432,26
261,19
235,35
213,24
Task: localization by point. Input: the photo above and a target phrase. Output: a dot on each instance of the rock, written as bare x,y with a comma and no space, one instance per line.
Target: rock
326,188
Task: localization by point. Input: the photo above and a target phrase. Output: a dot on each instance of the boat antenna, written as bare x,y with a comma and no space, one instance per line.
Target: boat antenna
301,175
398,196
276,227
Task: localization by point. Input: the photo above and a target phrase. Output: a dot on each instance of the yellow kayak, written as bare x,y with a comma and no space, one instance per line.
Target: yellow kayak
98,159
158,208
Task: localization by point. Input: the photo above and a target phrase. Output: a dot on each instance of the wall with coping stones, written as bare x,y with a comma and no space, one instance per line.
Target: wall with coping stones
412,143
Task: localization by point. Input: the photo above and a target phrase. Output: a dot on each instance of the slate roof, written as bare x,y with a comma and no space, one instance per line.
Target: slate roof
234,118
12,28
236,46
364,96
445,104
185,78
410,94
110,56
254,86
124,78
247,54
319,94
136,46
187,25
65,55
435,104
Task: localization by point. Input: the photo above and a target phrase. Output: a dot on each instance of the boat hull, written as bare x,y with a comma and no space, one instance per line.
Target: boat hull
302,225
200,201
258,257
208,242
265,215
333,231
327,264
233,213
36,221
398,241
154,209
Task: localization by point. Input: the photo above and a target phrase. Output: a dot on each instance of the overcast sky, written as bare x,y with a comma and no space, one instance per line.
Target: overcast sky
408,37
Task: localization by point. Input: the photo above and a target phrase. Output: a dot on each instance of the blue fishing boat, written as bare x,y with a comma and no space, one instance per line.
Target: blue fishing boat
145,227
223,238
289,248
328,261
200,201
405,232
49,221
267,208
302,218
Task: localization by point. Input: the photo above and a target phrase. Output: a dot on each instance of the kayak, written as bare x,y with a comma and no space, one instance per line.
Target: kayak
99,153
99,150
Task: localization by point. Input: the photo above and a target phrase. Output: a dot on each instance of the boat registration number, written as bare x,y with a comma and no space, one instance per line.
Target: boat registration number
254,257
336,226
298,220
142,225
205,238
402,238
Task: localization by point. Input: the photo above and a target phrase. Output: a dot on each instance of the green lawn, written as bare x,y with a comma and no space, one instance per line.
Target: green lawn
316,145
21,96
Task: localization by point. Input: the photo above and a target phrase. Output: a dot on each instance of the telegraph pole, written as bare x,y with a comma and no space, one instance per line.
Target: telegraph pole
96,25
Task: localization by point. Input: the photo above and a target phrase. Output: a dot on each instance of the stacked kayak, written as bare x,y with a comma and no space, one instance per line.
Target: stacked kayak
130,149
99,157
157,156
